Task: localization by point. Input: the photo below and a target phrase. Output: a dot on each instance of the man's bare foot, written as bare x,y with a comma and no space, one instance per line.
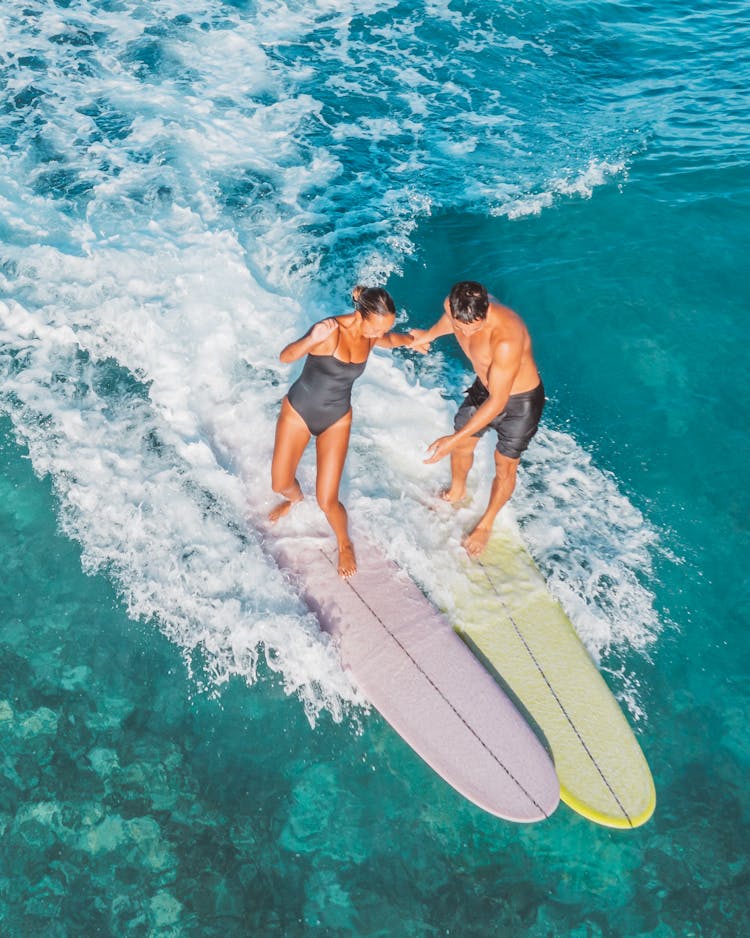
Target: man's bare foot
453,495
476,541
347,561
283,508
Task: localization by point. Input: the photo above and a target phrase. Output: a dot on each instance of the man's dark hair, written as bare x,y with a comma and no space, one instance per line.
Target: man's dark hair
468,301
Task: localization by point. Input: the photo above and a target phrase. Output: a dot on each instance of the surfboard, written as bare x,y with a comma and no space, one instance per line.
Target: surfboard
421,677
515,626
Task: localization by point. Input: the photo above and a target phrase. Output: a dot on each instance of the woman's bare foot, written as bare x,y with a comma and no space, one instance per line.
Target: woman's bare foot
347,562
476,541
283,508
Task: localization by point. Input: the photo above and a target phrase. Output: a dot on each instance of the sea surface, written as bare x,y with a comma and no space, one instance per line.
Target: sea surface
184,188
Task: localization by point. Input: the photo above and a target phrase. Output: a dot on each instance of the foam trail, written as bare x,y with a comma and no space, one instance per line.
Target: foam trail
597,173
141,490
156,475
183,189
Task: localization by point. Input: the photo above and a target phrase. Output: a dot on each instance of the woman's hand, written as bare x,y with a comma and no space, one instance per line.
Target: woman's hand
316,335
321,330
418,341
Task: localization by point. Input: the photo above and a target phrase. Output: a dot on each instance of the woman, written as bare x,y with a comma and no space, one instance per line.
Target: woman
319,404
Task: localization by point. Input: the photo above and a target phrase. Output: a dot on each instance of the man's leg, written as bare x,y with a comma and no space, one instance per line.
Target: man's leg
502,488
462,459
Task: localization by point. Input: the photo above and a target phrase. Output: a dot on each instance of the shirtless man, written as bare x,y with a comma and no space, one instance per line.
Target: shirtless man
507,396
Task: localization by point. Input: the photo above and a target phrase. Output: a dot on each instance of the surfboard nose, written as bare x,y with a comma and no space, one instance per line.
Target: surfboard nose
461,722
434,692
524,637
406,658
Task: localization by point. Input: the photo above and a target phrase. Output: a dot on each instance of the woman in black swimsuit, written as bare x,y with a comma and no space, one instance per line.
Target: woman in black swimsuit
319,404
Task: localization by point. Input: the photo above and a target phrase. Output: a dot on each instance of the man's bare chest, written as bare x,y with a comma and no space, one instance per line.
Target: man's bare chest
479,354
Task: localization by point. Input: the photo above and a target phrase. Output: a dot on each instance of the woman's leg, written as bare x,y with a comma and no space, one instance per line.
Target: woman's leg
332,446
292,436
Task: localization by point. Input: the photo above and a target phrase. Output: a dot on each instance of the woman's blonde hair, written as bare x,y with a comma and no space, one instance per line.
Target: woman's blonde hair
373,301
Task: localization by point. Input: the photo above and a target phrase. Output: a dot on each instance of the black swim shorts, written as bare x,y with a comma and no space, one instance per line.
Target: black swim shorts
515,425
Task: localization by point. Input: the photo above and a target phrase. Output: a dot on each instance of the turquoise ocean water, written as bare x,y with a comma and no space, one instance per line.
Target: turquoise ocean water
184,188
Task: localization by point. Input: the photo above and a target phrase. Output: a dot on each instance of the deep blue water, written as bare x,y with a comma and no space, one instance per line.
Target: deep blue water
184,188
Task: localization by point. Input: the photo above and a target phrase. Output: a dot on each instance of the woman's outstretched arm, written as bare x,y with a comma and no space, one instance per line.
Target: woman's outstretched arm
395,340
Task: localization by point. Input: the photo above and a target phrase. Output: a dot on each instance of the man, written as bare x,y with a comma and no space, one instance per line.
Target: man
507,396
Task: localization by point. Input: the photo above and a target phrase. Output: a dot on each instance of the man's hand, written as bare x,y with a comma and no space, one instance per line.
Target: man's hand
440,448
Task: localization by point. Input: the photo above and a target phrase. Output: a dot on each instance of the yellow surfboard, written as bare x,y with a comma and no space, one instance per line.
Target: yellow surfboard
512,622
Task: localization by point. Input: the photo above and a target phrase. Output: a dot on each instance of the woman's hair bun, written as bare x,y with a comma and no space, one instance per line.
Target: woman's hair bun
373,301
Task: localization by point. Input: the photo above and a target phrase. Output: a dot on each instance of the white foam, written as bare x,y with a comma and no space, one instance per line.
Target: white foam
139,481
595,548
147,316
583,183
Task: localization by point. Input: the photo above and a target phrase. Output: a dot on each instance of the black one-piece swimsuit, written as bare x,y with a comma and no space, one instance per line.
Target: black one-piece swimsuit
323,392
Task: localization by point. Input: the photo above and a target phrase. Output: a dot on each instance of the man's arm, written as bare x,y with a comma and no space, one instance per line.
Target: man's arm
423,337
503,370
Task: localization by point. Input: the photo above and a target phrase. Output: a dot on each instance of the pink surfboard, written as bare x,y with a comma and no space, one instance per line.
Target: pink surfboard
414,669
